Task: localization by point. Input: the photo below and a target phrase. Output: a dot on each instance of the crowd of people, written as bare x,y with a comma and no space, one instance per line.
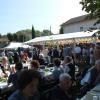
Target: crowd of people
75,70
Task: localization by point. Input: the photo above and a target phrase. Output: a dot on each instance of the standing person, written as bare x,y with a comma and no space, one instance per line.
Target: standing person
35,54
61,53
45,53
97,51
50,54
27,86
16,58
77,51
3,53
55,53
65,51
91,52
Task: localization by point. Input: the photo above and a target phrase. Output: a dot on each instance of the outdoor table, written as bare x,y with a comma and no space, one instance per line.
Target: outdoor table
48,71
94,94
5,90
4,87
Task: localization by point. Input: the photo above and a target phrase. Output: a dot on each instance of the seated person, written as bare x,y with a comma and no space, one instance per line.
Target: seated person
88,81
27,86
69,67
2,72
5,63
95,91
4,67
63,91
35,65
13,77
57,70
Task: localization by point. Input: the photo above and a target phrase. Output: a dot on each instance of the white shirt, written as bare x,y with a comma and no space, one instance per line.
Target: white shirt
45,52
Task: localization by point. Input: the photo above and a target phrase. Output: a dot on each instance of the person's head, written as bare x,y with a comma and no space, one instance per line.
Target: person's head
35,64
28,81
97,65
65,81
4,60
67,59
57,62
18,66
97,51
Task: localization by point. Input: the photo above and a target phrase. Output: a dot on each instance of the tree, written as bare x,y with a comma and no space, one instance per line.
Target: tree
33,32
61,31
38,33
46,33
10,37
92,7
15,37
21,37
0,35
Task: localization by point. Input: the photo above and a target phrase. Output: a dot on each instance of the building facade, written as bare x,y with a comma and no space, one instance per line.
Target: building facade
78,24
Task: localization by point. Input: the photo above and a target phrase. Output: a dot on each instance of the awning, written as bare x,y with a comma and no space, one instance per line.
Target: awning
15,45
65,36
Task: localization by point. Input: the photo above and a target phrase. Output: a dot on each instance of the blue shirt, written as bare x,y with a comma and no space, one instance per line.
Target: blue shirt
17,95
56,73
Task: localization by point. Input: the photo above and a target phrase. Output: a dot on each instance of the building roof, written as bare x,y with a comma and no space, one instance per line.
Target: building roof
75,20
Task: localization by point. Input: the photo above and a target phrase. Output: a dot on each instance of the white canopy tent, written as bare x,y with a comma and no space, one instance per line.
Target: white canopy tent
62,37
15,45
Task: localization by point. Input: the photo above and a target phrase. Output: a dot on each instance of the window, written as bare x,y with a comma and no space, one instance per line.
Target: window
81,28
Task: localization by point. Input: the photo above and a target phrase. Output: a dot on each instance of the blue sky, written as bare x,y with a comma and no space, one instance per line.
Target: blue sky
17,15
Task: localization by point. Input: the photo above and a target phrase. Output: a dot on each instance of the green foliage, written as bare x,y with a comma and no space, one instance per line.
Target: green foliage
15,37
21,37
33,32
92,7
10,37
46,33
37,33
25,35
0,35
61,31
